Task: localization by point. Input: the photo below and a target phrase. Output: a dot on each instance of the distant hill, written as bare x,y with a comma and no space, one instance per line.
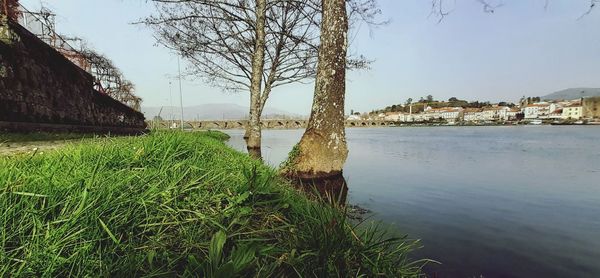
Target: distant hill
213,111
573,93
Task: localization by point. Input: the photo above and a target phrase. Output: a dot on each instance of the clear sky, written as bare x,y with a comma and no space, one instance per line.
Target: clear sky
521,49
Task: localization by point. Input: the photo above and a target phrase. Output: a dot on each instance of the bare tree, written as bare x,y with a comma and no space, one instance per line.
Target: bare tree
256,78
439,9
490,7
249,45
108,78
322,151
593,4
10,8
242,45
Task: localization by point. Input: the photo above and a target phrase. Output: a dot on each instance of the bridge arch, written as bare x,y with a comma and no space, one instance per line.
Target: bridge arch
240,124
196,125
187,125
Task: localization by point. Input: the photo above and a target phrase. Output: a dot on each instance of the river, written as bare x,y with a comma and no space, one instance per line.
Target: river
485,201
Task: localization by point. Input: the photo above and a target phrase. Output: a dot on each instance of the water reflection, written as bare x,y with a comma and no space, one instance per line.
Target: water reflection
255,153
333,189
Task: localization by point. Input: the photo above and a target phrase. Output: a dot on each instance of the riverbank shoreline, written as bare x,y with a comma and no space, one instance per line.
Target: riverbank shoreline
176,204
390,124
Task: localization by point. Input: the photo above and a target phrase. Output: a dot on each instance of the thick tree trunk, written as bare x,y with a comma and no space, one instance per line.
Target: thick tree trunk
258,61
322,151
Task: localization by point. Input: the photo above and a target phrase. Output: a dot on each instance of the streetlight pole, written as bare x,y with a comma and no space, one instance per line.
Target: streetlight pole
180,91
171,118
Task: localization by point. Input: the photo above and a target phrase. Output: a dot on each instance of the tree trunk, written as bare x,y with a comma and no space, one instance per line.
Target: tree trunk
322,151
258,61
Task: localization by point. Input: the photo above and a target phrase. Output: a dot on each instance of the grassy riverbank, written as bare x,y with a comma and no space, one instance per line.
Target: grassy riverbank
23,143
41,137
172,204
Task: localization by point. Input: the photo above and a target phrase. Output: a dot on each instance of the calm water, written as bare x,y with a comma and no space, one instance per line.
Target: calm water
491,201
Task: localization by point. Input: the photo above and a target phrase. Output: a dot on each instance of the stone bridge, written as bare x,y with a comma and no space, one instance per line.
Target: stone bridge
266,124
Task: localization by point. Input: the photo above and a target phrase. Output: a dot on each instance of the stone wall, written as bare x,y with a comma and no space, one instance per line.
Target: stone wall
40,86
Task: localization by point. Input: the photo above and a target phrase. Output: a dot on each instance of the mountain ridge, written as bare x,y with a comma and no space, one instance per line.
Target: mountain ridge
573,93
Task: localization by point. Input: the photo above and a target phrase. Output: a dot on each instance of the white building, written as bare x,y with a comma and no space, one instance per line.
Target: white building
573,112
451,114
489,114
420,117
512,114
354,118
392,116
473,115
556,114
537,110
495,113
430,114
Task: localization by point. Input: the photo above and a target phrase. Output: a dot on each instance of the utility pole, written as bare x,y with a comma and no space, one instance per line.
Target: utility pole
180,91
171,118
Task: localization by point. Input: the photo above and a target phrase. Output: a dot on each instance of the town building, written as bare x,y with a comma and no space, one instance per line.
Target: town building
449,114
473,115
392,116
513,114
573,112
591,107
537,110
495,113
556,114
354,118
487,114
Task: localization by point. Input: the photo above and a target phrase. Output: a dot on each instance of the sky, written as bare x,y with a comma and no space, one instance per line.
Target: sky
522,49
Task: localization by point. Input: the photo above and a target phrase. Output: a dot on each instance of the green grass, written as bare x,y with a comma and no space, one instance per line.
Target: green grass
41,136
176,204
214,134
7,137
